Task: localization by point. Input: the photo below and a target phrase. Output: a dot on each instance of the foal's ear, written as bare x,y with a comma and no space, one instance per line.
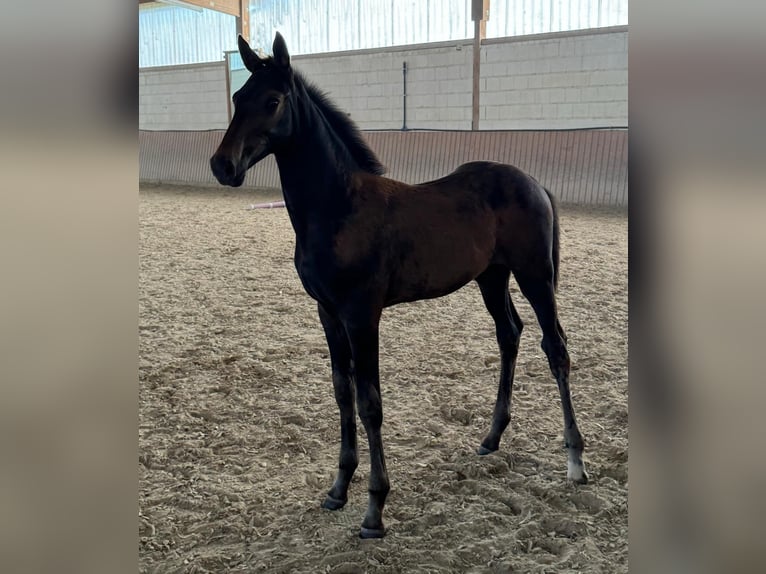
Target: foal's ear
281,55
249,58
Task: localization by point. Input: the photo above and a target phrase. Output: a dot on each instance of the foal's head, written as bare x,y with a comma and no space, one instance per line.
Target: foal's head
261,114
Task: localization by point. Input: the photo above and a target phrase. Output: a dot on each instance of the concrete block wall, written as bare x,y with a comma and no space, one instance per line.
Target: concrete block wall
189,97
556,81
369,85
551,81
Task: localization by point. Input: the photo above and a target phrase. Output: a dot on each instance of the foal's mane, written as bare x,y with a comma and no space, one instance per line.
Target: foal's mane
343,127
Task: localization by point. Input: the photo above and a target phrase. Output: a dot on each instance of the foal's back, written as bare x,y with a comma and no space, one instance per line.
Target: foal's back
437,236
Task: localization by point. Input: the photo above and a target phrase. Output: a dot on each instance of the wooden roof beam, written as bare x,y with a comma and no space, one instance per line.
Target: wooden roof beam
231,7
237,8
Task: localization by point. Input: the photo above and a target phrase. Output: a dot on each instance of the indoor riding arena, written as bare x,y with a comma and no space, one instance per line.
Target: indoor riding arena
239,430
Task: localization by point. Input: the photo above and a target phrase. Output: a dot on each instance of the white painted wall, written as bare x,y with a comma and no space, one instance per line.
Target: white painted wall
189,97
551,81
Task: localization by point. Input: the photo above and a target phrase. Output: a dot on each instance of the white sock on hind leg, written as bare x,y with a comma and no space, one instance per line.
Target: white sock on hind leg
575,470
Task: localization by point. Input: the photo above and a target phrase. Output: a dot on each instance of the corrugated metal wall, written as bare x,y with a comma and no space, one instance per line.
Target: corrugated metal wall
520,17
313,26
578,166
170,35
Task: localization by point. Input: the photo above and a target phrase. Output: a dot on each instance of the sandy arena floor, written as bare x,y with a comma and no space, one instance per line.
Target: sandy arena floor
239,431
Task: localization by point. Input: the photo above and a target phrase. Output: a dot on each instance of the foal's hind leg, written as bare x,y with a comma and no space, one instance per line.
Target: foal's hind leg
340,357
541,295
494,289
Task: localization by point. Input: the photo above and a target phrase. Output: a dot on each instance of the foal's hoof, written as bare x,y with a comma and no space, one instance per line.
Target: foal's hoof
483,450
331,503
582,479
372,532
576,473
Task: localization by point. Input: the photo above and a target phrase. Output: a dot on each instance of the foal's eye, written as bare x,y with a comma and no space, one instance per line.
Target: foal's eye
272,105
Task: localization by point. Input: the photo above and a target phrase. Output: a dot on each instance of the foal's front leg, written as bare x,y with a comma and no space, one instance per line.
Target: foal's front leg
364,349
340,358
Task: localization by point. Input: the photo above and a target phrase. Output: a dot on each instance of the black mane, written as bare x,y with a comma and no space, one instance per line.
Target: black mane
344,128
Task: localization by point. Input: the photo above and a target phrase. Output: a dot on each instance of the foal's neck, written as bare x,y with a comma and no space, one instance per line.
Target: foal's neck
314,169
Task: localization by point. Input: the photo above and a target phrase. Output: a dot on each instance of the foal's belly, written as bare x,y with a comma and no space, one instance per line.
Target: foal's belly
438,266
411,290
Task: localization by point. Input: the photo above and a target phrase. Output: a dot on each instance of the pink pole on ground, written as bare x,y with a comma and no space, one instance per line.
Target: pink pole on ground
268,205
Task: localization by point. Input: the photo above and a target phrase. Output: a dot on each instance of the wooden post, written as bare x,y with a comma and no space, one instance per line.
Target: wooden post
479,15
227,60
243,20
476,75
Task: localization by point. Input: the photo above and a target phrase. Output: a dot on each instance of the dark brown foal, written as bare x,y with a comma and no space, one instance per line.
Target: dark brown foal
364,242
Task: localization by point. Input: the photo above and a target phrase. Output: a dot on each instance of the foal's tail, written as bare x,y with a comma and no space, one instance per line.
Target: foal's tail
554,207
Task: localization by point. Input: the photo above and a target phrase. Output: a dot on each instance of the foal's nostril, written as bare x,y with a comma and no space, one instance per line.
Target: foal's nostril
222,166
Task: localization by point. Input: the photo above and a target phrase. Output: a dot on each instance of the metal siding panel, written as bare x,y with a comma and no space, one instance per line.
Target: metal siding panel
415,157
420,158
611,167
591,175
603,158
566,161
483,146
595,174
524,151
621,160
436,167
580,190
427,167
506,145
587,166
606,167
583,195
582,177
541,151
575,189
439,167
450,159
578,166
546,157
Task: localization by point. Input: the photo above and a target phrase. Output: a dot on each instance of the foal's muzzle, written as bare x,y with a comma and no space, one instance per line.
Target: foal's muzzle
225,171
229,171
